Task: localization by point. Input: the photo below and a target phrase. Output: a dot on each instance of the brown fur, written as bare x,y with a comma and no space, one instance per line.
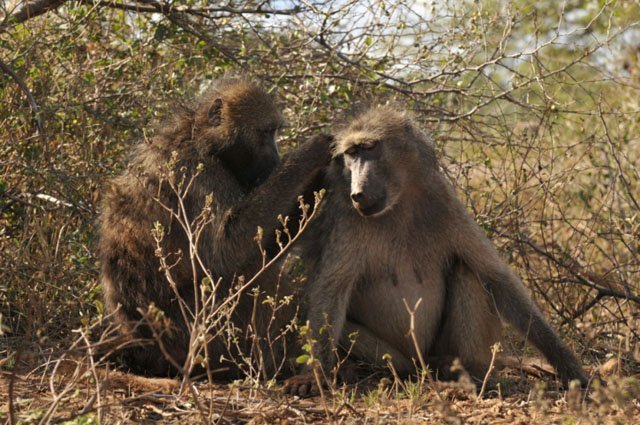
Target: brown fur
404,235
230,130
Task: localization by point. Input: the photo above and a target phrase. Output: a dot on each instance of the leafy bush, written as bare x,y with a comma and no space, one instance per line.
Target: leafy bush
533,106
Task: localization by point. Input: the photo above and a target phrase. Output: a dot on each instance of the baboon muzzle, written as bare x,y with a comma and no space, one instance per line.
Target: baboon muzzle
367,192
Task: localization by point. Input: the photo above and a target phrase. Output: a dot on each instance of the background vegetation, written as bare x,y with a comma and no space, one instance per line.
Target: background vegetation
534,107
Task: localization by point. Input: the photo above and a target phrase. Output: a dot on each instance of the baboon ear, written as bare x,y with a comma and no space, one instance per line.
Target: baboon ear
215,113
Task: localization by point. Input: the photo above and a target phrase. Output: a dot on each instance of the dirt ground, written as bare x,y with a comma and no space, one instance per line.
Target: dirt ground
75,392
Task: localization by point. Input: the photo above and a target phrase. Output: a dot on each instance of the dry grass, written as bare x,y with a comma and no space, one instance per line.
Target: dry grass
73,391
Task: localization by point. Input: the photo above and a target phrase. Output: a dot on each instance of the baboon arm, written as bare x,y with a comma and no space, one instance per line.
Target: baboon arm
373,349
235,235
327,315
515,305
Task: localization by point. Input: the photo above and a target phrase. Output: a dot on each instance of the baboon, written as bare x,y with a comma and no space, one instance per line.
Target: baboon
226,143
391,230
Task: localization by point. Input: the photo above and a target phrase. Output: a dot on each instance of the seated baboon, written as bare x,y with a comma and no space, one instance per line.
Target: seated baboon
222,157
391,232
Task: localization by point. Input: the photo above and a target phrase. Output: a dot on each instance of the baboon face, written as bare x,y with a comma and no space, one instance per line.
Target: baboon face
377,161
241,123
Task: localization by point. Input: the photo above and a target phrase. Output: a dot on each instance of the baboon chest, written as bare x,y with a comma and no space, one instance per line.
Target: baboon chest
390,286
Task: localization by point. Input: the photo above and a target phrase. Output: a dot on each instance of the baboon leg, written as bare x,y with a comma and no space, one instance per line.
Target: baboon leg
143,355
470,325
369,348
327,315
149,360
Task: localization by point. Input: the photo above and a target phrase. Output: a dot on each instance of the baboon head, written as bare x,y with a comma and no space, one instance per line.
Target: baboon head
380,149
237,121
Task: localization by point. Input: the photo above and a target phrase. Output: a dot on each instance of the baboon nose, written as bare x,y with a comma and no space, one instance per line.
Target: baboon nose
357,197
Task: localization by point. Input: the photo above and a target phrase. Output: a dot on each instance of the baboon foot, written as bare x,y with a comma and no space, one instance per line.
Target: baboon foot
443,368
302,385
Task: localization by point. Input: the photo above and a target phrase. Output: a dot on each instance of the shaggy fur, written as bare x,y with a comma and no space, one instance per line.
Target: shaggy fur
229,133
392,230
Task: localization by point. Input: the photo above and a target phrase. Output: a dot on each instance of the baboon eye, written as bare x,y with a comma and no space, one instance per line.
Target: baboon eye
268,132
369,145
267,135
351,151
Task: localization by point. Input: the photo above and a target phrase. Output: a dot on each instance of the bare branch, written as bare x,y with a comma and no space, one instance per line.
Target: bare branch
35,109
210,12
30,9
580,277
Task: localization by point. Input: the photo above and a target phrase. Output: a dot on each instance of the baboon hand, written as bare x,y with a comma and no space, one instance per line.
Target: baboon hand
321,146
571,372
302,385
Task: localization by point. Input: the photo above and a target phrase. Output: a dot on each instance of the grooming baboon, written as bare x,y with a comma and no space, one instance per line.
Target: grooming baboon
391,229
228,137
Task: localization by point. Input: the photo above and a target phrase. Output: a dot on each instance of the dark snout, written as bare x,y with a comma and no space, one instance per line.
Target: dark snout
270,161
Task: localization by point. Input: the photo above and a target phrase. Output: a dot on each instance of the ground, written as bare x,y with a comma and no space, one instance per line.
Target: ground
70,391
